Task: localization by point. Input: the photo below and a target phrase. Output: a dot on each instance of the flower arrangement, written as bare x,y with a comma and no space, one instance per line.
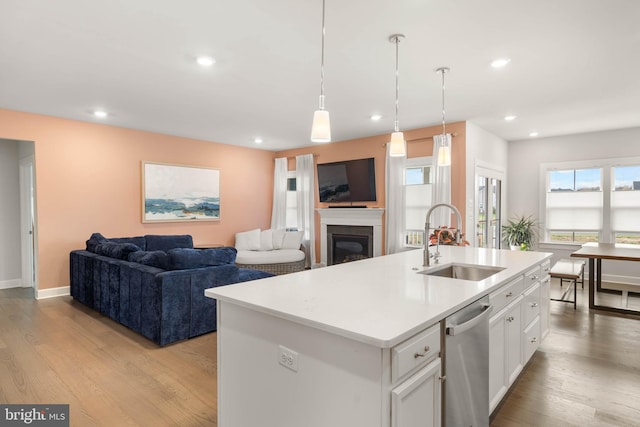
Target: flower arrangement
447,236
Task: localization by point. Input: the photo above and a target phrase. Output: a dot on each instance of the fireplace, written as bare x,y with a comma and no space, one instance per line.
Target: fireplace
348,243
369,218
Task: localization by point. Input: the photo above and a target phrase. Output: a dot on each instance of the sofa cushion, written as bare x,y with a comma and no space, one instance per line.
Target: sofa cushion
292,240
248,240
184,258
95,240
139,241
266,240
158,259
270,257
116,250
168,242
278,238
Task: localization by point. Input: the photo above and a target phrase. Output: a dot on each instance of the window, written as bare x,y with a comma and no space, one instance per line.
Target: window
574,205
417,199
591,203
292,202
625,204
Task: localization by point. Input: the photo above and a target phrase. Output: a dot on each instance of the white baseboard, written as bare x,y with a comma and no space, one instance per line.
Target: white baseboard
13,283
53,292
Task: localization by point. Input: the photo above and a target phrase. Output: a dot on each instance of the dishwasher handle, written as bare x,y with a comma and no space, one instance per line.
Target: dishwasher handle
458,329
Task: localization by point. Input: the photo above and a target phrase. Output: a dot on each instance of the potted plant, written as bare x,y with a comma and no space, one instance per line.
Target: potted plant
520,233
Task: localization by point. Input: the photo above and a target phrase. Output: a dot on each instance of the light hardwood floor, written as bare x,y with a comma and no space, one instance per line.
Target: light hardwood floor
586,373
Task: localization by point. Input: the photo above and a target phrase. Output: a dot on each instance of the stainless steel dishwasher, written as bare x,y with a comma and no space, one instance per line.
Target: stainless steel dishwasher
466,395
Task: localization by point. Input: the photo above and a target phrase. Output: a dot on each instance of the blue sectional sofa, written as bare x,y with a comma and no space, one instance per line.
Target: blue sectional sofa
154,284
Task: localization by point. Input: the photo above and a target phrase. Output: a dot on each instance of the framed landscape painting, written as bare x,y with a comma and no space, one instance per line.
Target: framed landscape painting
179,193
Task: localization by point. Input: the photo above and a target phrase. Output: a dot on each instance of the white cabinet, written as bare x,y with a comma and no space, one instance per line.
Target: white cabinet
545,298
416,401
505,350
517,329
416,371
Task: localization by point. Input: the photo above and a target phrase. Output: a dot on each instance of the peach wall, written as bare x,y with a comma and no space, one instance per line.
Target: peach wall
88,179
420,143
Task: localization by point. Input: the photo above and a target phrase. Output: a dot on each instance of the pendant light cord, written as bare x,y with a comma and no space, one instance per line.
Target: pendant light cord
397,127
322,62
443,71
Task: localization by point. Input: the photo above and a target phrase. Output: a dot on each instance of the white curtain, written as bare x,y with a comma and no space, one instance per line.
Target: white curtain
305,187
441,183
394,212
279,210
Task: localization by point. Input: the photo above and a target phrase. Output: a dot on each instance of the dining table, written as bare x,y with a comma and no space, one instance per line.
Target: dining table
595,253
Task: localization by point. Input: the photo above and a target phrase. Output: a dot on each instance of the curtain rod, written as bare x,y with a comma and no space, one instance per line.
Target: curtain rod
293,157
411,141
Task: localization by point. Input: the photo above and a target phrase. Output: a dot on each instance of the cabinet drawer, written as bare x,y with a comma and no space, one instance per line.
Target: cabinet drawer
531,339
532,276
545,267
531,304
415,352
506,294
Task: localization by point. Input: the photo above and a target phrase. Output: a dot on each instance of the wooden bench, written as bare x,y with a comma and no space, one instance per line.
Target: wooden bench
573,272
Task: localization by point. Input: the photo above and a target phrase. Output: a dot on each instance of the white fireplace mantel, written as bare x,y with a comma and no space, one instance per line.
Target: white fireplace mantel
350,216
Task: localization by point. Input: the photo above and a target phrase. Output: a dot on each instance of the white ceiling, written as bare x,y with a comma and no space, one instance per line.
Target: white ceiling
575,65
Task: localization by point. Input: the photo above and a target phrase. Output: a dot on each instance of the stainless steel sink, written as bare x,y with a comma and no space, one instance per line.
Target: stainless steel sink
463,271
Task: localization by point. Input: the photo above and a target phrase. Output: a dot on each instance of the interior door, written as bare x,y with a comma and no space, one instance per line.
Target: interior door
27,221
488,208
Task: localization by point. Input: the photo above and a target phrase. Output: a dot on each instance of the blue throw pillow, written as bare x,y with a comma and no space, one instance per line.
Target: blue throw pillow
116,250
165,243
139,241
158,259
184,258
95,240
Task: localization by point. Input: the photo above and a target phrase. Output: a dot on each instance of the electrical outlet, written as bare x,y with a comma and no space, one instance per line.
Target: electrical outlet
288,358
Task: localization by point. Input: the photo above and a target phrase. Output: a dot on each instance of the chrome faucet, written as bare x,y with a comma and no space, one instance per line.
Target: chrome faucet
426,255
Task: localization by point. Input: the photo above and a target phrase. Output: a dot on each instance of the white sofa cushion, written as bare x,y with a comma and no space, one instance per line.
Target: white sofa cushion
278,238
248,240
269,257
292,240
266,240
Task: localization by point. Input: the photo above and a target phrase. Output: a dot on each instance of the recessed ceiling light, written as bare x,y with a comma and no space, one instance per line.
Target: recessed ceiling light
205,61
499,63
510,118
533,134
258,140
375,117
100,114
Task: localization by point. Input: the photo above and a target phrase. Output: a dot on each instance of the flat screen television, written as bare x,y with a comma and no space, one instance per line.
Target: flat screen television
347,181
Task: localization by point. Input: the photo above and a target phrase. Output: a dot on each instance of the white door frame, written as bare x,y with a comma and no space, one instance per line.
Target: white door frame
28,223
490,171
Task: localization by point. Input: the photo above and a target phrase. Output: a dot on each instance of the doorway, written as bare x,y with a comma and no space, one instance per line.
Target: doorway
488,215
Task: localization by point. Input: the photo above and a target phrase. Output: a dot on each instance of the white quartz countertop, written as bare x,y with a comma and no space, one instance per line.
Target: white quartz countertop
380,301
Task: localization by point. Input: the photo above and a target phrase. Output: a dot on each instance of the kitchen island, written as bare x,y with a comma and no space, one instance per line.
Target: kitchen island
355,344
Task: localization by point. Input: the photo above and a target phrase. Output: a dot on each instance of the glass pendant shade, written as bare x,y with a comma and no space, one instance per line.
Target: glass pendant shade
321,127
444,156
397,145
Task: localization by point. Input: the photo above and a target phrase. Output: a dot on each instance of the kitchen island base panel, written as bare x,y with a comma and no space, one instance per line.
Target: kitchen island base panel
338,380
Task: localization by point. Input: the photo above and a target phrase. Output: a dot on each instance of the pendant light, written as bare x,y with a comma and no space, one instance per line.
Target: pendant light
397,145
444,151
321,127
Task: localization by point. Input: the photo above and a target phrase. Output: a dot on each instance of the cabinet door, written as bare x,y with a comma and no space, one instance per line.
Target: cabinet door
545,295
498,382
416,402
514,341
